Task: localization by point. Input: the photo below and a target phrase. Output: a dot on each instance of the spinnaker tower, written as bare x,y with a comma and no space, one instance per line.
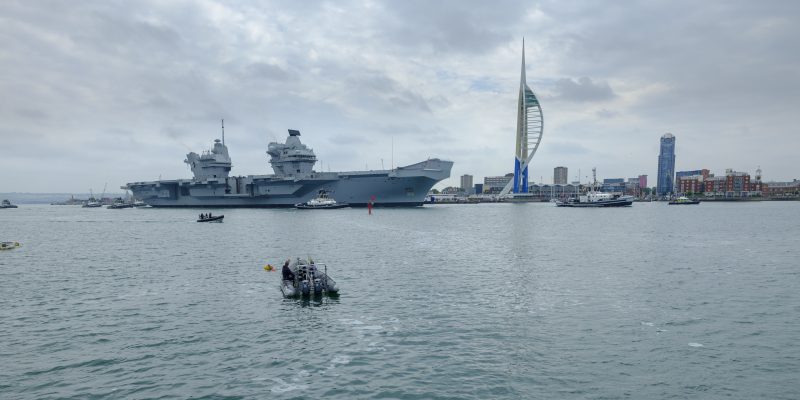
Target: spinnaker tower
530,125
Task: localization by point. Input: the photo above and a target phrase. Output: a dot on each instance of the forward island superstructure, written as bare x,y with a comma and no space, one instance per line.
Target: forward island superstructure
294,181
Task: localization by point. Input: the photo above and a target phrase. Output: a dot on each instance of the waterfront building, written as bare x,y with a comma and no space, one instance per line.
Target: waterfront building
546,192
496,184
613,185
466,183
691,177
642,181
733,184
451,190
632,187
530,125
702,172
478,188
666,165
560,175
691,181
690,184
782,189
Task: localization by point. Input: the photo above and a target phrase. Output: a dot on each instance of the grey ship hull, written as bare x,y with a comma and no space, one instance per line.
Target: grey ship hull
404,186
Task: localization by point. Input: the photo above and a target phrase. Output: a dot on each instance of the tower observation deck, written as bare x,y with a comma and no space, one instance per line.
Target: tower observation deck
530,125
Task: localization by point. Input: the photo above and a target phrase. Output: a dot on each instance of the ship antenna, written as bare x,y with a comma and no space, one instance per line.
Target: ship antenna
223,132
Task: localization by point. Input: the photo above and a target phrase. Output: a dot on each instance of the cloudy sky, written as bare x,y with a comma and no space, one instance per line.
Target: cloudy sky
96,92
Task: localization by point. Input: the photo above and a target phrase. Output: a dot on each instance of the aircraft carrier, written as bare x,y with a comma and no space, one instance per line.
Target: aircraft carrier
294,181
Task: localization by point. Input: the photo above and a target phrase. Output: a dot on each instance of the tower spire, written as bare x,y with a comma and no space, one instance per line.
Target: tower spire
223,132
522,73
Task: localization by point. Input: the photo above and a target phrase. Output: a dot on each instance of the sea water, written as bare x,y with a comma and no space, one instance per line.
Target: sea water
437,302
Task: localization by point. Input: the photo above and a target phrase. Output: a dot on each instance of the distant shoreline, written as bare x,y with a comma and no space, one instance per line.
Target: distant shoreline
47,198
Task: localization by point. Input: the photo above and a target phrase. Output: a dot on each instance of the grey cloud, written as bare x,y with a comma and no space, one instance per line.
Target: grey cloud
262,70
566,148
583,89
606,113
154,78
449,26
371,88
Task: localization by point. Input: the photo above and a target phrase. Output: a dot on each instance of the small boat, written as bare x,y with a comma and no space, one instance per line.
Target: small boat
309,279
215,218
596,199
593,198
139,203
322,202
7,204
119,205
9,245
683,200
92,203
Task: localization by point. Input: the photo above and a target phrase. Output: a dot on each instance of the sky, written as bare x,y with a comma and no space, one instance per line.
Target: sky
96,93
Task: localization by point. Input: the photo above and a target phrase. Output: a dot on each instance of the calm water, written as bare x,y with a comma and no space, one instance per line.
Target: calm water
461,301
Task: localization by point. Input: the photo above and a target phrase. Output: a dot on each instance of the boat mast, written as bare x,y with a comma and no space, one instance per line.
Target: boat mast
223,132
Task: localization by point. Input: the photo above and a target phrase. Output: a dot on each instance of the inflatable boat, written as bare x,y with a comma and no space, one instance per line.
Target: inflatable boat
308,279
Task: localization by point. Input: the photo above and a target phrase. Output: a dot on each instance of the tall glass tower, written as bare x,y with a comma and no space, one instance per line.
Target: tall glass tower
666,165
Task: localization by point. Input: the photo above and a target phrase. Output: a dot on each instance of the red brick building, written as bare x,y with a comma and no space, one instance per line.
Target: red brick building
690,184
733,184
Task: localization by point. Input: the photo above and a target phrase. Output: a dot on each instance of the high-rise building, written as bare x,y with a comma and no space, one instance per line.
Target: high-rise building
642,181
466,183
560,175
666,165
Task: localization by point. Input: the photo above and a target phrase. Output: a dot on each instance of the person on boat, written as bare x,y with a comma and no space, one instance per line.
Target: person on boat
201,215
288,275
312,269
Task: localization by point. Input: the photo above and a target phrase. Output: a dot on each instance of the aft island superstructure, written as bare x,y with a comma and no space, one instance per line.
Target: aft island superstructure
294,181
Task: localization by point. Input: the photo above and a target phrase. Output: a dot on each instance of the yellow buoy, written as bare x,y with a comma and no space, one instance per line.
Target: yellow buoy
269,268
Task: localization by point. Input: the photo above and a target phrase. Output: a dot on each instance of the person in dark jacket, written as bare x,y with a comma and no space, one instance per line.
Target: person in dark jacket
288,275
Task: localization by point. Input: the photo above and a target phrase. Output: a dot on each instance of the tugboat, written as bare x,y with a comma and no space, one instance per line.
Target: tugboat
322,201
307,279
683,200
7,204
92,203
594,198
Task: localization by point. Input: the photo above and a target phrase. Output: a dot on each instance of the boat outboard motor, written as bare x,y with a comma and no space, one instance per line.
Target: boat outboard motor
305,288
317,285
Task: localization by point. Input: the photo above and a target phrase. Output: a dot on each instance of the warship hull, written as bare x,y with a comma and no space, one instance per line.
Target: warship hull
403,186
